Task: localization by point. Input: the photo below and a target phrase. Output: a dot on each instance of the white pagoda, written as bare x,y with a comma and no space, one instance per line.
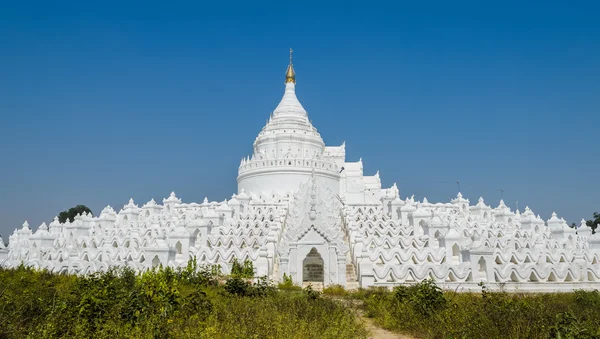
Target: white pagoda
303,210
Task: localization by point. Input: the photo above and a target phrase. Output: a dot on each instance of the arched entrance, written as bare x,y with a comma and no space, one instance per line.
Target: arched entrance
313,267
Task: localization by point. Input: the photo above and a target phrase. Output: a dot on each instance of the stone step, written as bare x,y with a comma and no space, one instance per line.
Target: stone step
350,269
317,286
352,285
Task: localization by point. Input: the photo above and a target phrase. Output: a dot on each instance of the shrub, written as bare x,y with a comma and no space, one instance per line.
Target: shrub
310,293
244,288
245,270
426,311
288,284
237,286
162,303
587,299
568,326
336,290
425,297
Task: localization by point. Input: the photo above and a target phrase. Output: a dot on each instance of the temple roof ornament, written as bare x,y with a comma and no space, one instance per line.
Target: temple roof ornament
290,75
172,199
459,198
130,205
501,205
151,203
243,195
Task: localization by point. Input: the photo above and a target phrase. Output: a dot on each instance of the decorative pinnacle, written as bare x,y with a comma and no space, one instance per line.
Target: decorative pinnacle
290,75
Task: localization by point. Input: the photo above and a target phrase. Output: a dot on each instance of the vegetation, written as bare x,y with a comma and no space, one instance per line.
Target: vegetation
335,290
197,302
164,303
72,212
288,284
425,311
593,223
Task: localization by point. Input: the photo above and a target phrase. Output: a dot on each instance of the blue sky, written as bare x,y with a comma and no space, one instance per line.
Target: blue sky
102,103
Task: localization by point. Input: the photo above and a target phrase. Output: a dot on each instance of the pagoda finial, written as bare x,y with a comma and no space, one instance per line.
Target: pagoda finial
290,75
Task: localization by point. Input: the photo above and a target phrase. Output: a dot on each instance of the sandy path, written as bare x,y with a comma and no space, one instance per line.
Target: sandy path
378,332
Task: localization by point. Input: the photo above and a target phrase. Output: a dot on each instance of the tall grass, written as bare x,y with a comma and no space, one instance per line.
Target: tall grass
425,311
163,303
193,303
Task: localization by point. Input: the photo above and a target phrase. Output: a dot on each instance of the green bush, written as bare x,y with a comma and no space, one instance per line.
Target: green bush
288,284
426,311
245,270
425,297
163,303
311,294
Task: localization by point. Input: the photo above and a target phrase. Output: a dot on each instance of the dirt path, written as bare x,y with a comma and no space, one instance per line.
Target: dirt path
378,332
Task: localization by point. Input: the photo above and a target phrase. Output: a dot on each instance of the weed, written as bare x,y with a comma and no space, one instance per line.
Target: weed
336,290
163,303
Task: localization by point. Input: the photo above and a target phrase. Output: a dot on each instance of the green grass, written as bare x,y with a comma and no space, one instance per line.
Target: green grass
191,303
335,290
425,311
163,303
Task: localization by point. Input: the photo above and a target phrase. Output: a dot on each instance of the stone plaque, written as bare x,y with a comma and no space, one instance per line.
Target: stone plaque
313,272
312,267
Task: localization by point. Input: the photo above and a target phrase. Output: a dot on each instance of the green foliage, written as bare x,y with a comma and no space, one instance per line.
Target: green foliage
428,312
72,212
288,284
310,293
245,270
162,303
568,326
239,283
238,287
587,299
336,290
425,297
593,223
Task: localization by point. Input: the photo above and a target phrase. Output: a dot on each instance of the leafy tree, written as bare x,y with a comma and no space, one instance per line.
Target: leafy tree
72,212
594,222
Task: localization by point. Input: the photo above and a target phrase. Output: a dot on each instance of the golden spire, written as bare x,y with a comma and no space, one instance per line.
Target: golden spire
290,75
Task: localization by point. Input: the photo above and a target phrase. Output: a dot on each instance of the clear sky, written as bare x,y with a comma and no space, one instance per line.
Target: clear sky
102,103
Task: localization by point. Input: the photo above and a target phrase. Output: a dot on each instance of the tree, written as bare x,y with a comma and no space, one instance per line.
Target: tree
594,222
72,212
